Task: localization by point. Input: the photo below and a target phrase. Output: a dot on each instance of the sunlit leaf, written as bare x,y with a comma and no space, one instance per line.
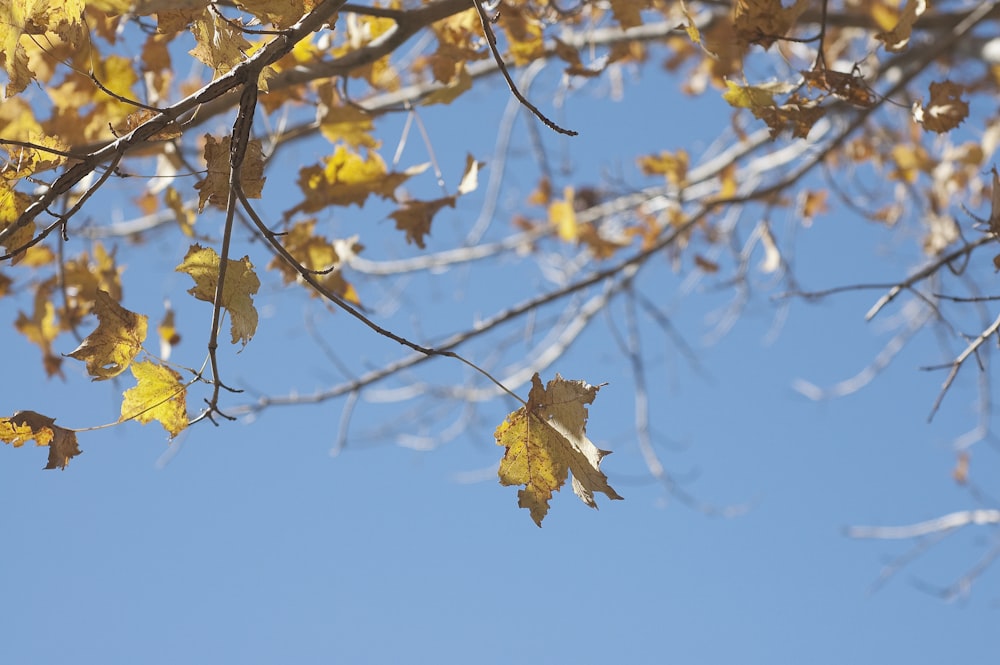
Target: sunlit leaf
158,395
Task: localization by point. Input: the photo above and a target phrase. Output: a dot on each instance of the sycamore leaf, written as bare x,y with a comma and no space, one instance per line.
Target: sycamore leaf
320,256
280,13
898,38
339,121
220,44
110,349
158,395
764,21
546,440
214,188
202,263
946,109
26,425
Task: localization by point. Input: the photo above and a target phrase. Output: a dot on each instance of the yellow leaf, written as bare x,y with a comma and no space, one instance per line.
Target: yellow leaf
202,263
672,166
280,13
546,440
318,255
158,395
345,178
41,327
898,38
214,188
448,93
26,425
342,122
415,218
764,21
524,34
563,217
220,45
110,349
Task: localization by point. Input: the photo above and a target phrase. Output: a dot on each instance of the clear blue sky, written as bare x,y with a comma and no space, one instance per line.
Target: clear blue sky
252,544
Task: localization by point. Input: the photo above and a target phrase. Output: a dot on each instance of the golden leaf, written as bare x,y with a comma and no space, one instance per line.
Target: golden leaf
116,341
562,216
280,13
672,166
214,188
764,21
158,395
346,178
524,35
546,440
220,45
318,255
26,425
202,263
41,327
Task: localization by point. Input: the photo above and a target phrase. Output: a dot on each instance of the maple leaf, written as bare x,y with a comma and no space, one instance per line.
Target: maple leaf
318,255
348,178
115,342
946,109
158,395
202,263
764,21
524,34
24,426
214,188
546,440
220,45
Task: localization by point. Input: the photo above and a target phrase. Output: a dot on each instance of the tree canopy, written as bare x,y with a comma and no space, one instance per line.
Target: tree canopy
236,136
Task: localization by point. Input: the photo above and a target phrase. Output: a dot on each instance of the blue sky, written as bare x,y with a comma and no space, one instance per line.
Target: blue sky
251,543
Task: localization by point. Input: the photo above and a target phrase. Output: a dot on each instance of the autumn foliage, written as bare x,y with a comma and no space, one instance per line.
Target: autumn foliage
100,91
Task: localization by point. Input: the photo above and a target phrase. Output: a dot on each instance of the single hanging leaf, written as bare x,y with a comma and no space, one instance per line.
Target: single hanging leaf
26,425
546,440
202,263
415,218
214,188
946,109
158,395
117,340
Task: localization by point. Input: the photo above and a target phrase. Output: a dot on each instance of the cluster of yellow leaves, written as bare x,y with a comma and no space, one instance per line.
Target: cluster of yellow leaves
797,114
546,440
